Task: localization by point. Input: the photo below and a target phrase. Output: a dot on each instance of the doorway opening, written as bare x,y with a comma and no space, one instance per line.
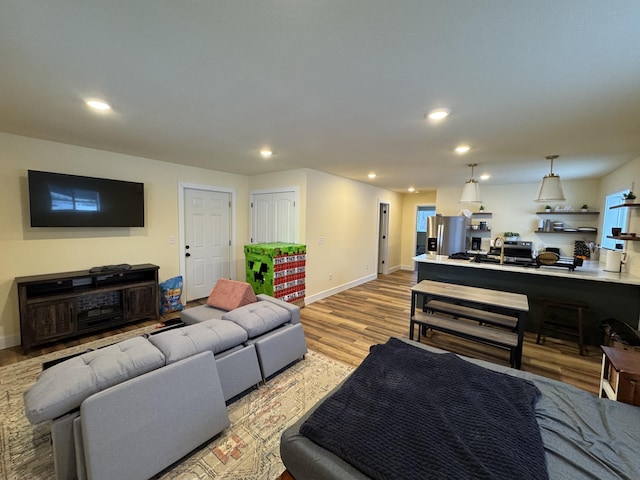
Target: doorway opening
423,213
383,238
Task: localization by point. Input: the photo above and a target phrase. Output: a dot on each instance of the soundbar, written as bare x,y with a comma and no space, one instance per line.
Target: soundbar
111,268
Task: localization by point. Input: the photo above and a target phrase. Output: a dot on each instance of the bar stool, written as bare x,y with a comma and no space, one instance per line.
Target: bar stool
571,323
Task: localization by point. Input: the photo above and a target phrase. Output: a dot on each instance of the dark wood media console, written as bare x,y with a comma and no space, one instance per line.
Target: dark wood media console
57,306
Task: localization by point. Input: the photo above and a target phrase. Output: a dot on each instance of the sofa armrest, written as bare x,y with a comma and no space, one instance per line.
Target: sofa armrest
294,310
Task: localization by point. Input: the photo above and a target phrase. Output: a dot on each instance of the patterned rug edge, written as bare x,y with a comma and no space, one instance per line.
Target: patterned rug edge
248,449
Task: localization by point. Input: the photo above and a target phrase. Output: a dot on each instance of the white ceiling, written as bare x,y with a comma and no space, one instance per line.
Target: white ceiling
340,86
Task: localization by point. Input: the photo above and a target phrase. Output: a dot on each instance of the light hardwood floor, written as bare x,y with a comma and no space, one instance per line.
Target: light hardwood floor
345,325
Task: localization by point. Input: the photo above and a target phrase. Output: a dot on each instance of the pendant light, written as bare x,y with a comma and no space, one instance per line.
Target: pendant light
471,190
550,187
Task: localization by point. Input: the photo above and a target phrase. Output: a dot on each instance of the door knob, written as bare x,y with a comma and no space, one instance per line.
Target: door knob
187,254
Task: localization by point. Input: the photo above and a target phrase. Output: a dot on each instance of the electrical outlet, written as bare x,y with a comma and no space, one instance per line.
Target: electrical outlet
172,240
330,276
320,240
366,266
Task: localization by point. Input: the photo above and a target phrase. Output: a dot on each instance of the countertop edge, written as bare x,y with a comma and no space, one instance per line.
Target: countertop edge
591,272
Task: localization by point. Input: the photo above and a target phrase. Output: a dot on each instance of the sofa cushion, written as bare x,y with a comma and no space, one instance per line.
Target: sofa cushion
214,335
201,313
258,318
230,294
64,386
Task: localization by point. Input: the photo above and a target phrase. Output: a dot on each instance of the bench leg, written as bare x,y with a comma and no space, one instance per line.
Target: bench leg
515,358
541,337
580,333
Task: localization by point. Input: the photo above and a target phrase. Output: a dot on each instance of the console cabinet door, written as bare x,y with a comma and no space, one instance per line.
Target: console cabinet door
50,320
141,302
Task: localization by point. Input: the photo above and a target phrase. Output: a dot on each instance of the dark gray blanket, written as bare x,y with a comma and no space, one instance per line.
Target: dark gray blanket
406,413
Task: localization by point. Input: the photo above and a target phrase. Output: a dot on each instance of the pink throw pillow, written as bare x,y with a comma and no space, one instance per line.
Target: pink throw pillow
231,294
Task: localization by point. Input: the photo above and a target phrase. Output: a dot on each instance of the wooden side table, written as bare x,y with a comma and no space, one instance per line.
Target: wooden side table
620,376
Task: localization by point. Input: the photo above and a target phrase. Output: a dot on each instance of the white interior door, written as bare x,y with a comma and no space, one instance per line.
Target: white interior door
274,217
207,240
262,227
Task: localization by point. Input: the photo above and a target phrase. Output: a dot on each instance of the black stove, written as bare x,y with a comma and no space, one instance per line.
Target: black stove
521,254
493,258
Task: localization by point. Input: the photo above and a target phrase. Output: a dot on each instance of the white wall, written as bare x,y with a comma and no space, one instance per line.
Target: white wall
296,178
341,232
338,223
411,202
342,211
626,177
513,209
32,251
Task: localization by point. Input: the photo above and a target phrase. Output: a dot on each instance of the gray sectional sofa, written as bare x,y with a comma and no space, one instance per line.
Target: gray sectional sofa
131,409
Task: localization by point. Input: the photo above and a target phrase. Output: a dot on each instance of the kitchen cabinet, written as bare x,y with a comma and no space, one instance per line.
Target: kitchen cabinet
610,295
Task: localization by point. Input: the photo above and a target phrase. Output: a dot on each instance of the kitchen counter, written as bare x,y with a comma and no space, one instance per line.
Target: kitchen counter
608,294
590,270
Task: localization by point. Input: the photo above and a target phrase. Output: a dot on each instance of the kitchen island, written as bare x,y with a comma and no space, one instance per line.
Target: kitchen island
608,294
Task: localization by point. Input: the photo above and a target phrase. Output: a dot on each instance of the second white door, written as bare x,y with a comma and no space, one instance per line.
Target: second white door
274,217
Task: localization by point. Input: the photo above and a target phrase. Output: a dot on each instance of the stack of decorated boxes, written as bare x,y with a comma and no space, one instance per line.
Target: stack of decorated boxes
277,269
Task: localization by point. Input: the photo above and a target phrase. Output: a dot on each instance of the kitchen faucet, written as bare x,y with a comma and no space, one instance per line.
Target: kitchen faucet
501,239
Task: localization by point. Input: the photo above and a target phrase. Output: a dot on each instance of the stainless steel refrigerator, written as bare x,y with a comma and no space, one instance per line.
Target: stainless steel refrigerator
447,235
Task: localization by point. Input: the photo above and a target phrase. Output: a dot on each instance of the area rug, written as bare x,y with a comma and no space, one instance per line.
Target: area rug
247,450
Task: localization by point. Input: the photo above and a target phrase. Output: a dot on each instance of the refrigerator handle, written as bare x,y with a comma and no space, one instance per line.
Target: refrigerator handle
439,239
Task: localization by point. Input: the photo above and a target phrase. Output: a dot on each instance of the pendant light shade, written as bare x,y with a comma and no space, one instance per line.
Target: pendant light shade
471,189
550,187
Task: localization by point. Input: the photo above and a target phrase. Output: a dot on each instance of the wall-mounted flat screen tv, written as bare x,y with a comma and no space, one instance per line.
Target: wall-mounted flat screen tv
60,200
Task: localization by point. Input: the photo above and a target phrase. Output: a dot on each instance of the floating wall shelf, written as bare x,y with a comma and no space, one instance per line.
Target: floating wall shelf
630,205
572,213
628,239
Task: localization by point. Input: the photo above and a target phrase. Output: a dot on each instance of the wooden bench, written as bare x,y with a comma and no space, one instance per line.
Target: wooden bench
471,313
501,314
493,336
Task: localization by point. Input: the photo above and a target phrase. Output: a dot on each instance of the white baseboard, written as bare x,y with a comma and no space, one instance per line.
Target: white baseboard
10,341
338,289
411,268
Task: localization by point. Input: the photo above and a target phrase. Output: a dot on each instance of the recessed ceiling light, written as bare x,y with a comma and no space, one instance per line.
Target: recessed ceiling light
266,153
439,113
461,149
98,105
372,175
411,189
485,176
